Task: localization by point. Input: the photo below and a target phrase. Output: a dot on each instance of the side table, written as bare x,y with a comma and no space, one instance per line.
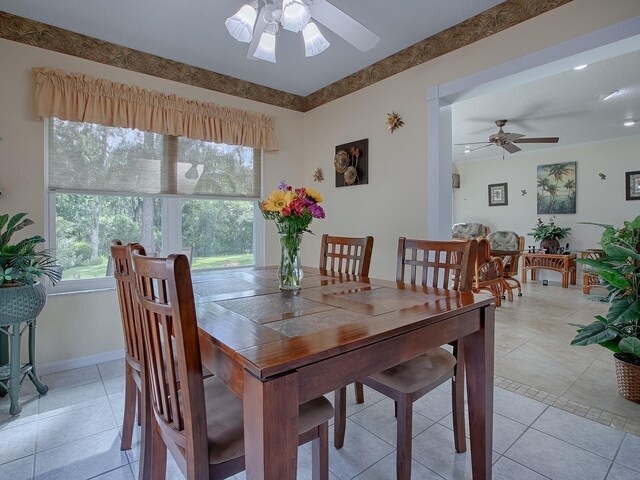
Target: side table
590,278
565,264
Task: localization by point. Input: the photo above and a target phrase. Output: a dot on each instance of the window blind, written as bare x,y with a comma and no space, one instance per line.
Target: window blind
88,157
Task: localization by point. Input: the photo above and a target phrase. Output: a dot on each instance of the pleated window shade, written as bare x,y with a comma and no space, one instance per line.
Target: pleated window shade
85,157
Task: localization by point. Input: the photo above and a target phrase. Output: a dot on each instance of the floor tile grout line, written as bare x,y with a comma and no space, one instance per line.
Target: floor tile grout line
504,455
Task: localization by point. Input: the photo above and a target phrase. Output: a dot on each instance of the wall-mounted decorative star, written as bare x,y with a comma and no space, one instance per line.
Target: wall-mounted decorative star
318,175
394,121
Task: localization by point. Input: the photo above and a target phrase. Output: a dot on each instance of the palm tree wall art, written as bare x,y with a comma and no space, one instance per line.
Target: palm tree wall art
557,188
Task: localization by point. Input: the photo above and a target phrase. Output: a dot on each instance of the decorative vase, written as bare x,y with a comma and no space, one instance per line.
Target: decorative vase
551,245
290,270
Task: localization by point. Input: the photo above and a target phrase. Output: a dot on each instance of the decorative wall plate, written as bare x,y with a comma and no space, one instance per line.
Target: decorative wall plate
341,161
350,176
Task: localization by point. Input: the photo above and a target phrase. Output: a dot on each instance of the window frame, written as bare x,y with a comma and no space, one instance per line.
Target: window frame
171,217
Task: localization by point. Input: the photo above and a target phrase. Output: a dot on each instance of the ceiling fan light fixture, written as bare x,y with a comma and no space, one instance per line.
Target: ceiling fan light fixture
581,67
240,25
295,15
314,41
266,47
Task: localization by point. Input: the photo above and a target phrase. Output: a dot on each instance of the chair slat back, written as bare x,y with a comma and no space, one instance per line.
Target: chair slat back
440,264
125,286
351,255
167,312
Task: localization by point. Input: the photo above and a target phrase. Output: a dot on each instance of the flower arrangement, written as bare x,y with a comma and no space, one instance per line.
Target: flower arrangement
543,230
292,210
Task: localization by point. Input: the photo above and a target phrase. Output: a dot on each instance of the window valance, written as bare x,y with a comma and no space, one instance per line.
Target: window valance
82,98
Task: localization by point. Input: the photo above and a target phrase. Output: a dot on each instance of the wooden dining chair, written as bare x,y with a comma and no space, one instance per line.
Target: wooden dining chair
351,255
200,421
125,287
446,265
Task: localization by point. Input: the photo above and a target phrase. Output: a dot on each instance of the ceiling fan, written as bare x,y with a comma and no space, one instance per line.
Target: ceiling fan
507,140
259,27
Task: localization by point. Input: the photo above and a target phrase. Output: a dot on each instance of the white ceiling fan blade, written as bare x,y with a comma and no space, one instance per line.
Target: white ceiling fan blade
342,24
261,24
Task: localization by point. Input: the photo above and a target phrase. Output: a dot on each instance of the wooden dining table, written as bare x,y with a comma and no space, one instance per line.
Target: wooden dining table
276,350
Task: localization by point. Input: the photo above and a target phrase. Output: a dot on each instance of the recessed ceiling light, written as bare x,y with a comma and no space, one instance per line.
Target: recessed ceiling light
469,151
629,123
580,67
607,95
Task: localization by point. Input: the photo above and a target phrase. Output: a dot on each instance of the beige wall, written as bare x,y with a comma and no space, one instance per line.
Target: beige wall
393,204
86,324
600,201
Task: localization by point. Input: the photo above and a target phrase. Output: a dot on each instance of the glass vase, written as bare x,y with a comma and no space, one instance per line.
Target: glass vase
290,270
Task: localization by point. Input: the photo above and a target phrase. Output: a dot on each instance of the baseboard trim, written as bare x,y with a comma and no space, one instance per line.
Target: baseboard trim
62,365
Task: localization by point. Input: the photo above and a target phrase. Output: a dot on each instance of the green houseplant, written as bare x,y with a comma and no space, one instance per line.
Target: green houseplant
549,234
21,263
619,330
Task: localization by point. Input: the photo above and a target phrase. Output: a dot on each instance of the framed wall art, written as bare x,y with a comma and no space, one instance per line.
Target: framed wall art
557,188
498,194
632,185
352,163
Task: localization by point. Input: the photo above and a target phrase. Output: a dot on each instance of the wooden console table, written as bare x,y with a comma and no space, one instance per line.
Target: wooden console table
565,264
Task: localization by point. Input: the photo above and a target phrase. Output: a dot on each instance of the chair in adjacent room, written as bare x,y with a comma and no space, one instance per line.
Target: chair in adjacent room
489,273
509,247
200,421
120,262
469,231
448,265
351,255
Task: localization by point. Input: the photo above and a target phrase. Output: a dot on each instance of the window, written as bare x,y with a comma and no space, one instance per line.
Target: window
171,194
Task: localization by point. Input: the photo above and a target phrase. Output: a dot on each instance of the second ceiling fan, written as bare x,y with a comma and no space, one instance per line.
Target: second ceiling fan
508,140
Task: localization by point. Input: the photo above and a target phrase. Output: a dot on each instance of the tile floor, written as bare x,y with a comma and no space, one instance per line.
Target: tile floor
74,431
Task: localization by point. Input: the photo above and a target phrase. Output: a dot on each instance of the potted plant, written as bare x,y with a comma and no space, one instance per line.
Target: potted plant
619,331
549,234
22,296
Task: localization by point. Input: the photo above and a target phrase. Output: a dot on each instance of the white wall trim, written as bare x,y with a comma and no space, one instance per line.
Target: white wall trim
62,365
597,45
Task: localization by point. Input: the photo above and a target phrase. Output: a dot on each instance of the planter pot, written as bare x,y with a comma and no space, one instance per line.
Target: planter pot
628,376
551,245
19,304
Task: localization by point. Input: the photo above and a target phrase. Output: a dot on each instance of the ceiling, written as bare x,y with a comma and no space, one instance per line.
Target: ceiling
568,105
193,32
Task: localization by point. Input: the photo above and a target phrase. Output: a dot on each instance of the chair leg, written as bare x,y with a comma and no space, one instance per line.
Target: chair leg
457,400
359,391
340,416
158,461
404,439
130,395
320,454
139,404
